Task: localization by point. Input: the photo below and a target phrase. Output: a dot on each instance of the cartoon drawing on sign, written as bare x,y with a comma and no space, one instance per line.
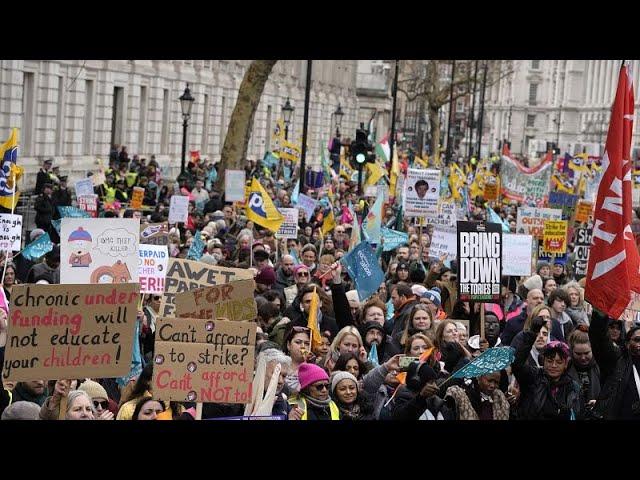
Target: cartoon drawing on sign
80,241
118,273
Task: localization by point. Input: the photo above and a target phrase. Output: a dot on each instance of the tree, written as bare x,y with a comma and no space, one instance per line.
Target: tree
429,83
236,142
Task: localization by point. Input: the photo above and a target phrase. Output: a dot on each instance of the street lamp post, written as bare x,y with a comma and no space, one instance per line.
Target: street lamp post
287,111
186,102
338,114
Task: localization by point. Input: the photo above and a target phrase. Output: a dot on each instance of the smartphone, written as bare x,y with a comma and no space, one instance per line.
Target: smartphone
406,361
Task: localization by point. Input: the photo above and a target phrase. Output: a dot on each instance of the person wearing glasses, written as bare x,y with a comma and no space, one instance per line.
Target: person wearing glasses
99,398
313,402
546,393
301,276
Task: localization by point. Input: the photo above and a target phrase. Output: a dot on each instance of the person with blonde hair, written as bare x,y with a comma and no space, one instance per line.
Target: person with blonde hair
349,340
577,309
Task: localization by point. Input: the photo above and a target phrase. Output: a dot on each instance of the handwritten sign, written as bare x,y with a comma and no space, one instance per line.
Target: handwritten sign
308,204
199,360
288,228
185,275
583,211
152,269
10,232
444,242
233,301
70,331
517,250
178,209
137,197
531,220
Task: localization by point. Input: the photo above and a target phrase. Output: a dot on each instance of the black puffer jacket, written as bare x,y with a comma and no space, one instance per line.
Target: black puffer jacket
410,406
618,392
541,399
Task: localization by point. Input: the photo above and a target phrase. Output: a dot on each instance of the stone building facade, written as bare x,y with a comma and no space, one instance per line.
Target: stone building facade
74,110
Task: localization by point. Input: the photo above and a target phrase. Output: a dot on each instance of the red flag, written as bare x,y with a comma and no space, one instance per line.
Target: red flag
613,270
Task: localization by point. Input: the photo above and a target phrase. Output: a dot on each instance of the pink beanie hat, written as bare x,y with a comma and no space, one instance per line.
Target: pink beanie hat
309,373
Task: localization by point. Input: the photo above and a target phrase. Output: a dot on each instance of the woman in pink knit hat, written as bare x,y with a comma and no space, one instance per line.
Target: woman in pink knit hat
313,402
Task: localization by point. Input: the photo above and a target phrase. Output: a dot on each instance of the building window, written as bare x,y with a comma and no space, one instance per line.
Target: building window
28,101
88,116
533,93
164,139
535,64
531,120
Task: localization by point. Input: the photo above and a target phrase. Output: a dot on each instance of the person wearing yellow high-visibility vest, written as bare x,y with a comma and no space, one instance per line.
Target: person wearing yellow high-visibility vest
313,402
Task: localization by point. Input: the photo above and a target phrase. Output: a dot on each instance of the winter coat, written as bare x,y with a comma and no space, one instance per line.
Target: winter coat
299,318
588,379
618,392
562,328
282,281
513,327
401,317
577,315
540,399
462,405
408,405
20,393
44,208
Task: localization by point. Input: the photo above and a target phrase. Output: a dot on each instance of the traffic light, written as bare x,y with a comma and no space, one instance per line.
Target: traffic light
360,150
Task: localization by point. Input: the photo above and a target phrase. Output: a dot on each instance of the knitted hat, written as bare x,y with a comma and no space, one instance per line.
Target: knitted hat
267,276
93,389
21,410
217,215
434,296
532,282
80,234
309,373
338,376
35,233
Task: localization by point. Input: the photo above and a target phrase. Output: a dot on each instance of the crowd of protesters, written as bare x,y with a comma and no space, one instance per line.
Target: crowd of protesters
571,361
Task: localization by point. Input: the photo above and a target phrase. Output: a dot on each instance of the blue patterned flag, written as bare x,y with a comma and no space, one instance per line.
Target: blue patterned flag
197,247
38,248
492,360
495,218
373,355
136,360
393,239
73,212
363,267
56,225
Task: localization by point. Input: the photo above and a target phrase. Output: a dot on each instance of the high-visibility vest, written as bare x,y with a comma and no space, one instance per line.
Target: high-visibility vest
302,403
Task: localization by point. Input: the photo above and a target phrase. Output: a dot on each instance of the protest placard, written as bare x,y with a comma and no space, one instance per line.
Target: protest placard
441,220
582,248
289,151
444,241
490,188
371,191
199,360
526,185
84,187
421,192
531,220
137,197
288,228
89,204
154,233
70,331
555,236
448,208
517,249
234,185
479,261
10,232
232,301
178,209
99,250
308,204
563,201
152,269
583,211
184,275
544,256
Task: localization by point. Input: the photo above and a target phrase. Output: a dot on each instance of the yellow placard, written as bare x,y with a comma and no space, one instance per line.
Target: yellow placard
555,236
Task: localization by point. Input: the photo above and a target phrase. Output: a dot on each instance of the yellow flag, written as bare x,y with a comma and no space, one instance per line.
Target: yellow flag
421,162
345,169
9,171
376,172
312,323
395,172
329,223
260,209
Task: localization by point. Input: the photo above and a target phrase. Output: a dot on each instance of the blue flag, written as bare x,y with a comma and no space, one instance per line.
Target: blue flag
362,266
196,248
136,359
72,212
492,360
56,225
38,248
393,239
495,218
295,193
373,221
296,260
373,355
270,160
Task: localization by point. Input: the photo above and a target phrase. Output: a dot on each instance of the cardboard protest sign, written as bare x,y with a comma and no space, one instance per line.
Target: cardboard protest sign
564,201
582,248
531,220
178,209
155,234
10,232
85,187
442,220
234,184
199,360
444,241
232,301
479,261
152,269
490,188
544,256
288,228
70,331
583,211
421,192
308,204
137,197
448,208
89,203
517,249
555,236
99,250
184,275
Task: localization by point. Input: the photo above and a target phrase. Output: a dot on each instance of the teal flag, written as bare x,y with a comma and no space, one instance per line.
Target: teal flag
363,267
136,360
56,225
296,192
373,221
493,217
373,355
270,160
392,239
197,247
38,248
72,212
492,360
